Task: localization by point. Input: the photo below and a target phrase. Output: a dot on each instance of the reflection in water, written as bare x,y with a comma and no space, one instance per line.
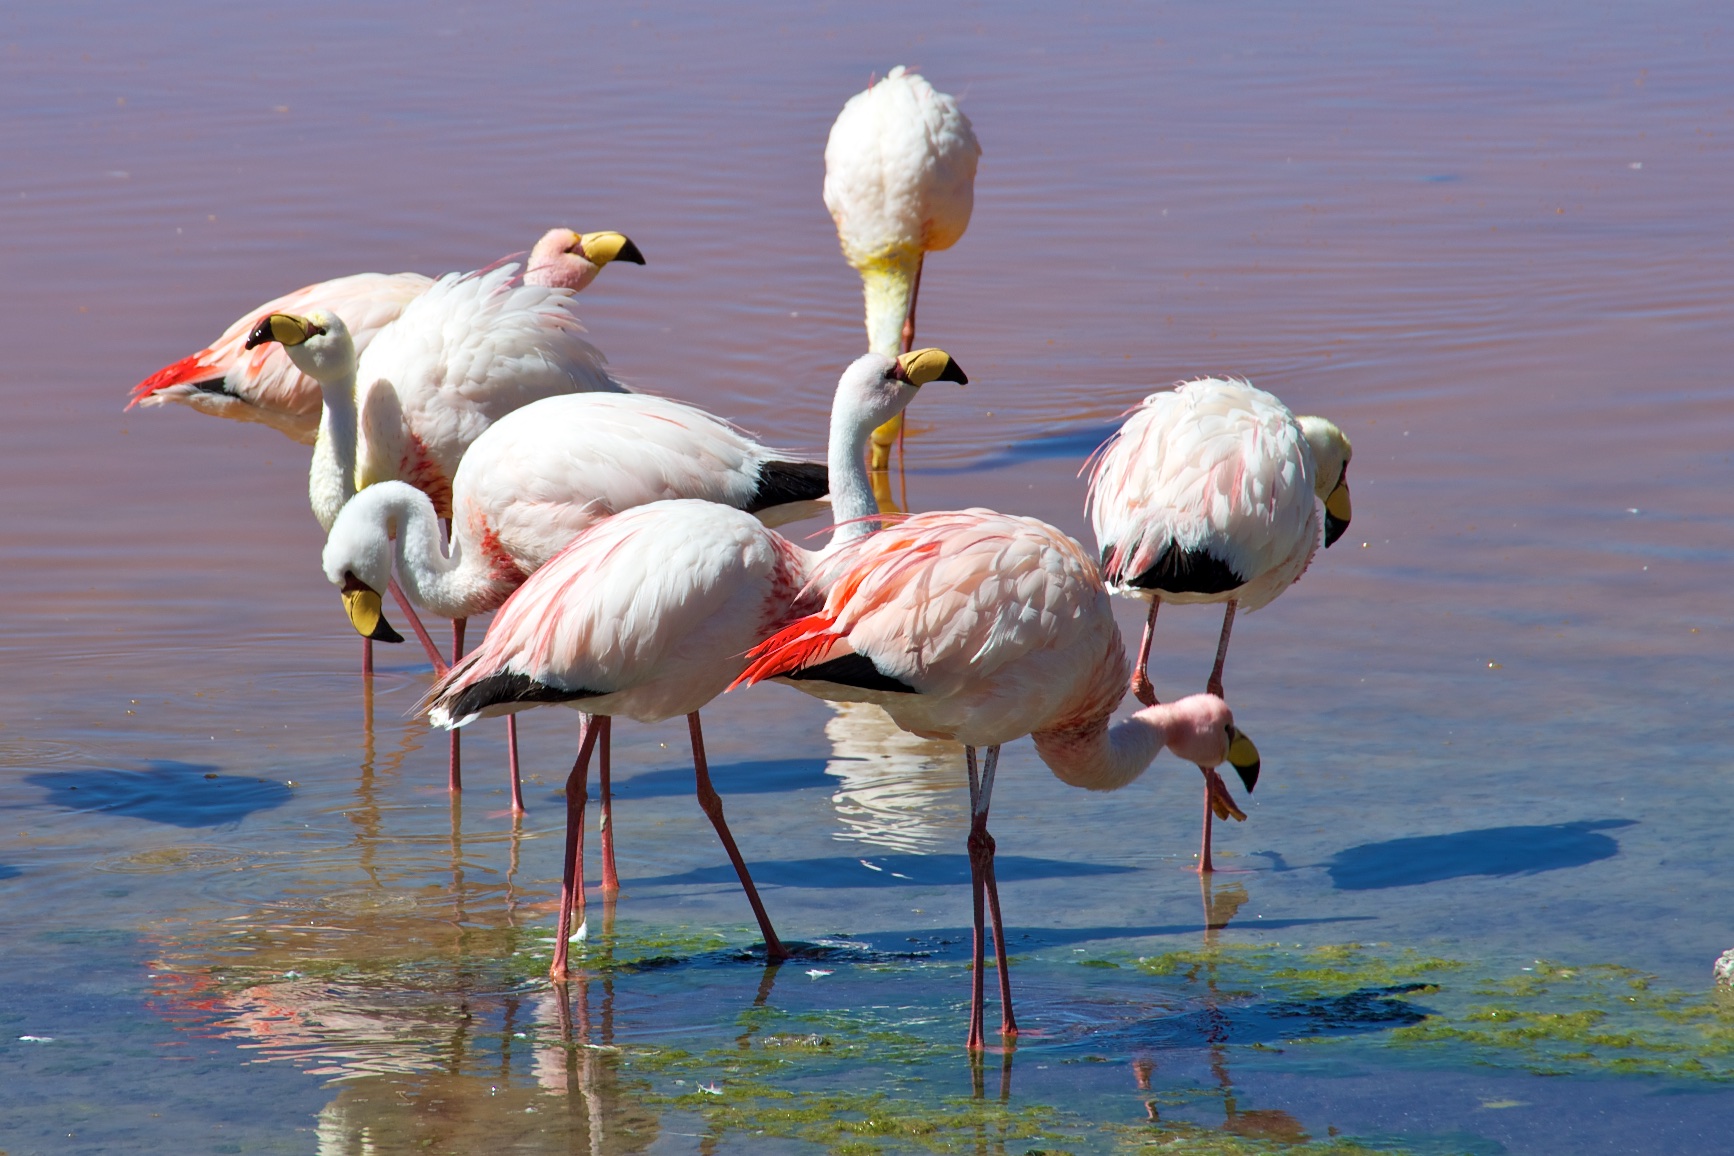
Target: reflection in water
899,792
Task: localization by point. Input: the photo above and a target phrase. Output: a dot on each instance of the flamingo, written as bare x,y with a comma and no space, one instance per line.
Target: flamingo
649,613
530,484
1206,494
471,349
980,627
225,379
900,183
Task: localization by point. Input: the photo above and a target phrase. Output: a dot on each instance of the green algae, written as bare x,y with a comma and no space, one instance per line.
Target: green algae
1319,972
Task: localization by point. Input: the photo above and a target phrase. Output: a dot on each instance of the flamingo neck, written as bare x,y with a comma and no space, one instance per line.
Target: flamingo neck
459,584
1098,757
551,267
854,509
888,284
331,478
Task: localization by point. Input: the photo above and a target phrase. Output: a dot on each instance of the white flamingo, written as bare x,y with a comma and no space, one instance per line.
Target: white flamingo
980,627
900,183
529,485
226,379
649,614
1208,493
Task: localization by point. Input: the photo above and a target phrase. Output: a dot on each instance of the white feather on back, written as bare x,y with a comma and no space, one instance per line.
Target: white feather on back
1211,465
900,169
544,473
470,350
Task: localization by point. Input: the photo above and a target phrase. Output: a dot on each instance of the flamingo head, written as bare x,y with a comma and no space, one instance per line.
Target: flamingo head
1200,729
319,343
1331,454
875,389
563,259
358,555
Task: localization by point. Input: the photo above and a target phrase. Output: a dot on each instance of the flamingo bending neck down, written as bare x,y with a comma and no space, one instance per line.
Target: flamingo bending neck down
649,613
980,627
261,384
530,484
1207,493
899,183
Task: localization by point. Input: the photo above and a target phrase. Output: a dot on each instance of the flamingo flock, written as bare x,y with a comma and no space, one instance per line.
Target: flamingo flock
472,452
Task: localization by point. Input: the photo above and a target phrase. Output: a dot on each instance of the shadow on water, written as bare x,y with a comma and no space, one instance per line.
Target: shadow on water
1077,444
760,777
1373,1009
884,871
175,793
1490,851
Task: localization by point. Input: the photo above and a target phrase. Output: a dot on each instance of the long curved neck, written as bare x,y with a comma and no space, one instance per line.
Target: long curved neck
888,284
456,585
331,478
1102,758
846,461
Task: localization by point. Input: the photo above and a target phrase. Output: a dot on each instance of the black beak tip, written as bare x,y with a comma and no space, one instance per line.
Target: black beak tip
629,252
955,373
1334,528
384,633
261,333
1248,776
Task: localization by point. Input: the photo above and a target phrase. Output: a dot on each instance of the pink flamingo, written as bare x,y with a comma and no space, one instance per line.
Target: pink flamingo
1207,494
980,627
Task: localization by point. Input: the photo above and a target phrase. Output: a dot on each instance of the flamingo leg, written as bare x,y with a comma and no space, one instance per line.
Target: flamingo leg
711,803
572,875
1218,803
512,764
974,1043
367,658
909,318
1142,690
1214,686
1008,1023
610,877
455,767
427,642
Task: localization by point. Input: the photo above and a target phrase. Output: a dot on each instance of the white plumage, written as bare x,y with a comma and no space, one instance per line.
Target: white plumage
899,182
1209,493
226,379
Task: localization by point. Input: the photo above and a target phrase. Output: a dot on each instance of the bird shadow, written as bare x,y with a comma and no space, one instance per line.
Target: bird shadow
836,871
7,871
164,791
759,777
1268,1020
1077,443
1497,851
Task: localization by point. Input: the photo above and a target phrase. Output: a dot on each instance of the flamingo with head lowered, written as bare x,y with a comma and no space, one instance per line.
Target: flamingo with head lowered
981,627
1209,492
650,613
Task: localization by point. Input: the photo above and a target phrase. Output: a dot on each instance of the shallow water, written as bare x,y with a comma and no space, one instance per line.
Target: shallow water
242,913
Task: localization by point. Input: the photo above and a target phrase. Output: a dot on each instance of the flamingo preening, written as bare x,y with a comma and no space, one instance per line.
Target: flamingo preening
1208,493
530,484
261,384
650,613
980,627
899,183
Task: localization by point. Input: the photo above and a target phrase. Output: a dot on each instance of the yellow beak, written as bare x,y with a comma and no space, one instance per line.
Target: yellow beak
1243,757
361,602
601,248
1337,510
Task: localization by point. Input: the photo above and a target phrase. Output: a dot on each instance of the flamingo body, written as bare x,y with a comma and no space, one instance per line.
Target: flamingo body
226,379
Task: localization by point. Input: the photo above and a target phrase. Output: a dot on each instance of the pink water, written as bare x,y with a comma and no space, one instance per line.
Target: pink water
1494,245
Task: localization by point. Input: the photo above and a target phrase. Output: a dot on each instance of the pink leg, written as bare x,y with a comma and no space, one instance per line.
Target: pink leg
1218,803
512,763
1214,686
420,631
1008,1023
367,658
455,768
1141,688
909,318
1204,865
711,804
610,878
572,877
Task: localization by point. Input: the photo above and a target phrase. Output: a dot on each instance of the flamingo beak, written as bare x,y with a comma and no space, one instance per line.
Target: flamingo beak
1243,757
362,603
283,328
920,366
601,248
1337,510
